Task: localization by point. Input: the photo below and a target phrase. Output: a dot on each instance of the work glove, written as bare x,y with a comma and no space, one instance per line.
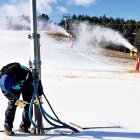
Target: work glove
36,100
21,103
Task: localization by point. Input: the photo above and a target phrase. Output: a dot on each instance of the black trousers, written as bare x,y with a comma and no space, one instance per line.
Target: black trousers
27,92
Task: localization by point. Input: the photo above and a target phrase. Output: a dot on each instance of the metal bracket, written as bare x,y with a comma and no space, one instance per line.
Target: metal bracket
33,35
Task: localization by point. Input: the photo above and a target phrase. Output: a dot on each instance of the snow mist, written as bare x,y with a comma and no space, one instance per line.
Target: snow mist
91,36
58,29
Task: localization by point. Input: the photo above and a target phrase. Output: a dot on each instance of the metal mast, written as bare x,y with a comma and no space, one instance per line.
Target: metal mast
66,17
35,61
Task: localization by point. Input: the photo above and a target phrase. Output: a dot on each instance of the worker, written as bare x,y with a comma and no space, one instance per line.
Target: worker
15,80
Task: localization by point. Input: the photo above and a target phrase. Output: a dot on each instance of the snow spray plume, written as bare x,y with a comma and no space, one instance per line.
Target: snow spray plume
12,11
14,15
97,36
15,23
54,28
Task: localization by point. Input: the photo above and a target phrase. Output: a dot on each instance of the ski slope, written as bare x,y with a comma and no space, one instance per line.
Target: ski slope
84,88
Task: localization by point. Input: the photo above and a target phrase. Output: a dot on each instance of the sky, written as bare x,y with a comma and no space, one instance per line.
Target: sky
55,9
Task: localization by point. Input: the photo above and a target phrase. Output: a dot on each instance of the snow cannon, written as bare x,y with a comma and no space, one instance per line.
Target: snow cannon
70,36
133,51
136,52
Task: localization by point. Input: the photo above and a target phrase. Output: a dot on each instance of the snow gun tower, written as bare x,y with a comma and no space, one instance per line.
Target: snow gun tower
35,62
35,65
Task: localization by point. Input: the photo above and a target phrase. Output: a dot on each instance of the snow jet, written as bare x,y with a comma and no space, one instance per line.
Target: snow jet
56,28
91,36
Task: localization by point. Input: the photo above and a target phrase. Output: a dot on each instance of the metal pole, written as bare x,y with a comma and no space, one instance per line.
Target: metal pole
35,61
66,23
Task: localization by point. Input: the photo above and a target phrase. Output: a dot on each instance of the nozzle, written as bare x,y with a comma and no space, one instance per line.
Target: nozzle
134,49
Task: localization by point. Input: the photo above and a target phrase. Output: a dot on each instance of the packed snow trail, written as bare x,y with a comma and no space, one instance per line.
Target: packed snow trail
82,87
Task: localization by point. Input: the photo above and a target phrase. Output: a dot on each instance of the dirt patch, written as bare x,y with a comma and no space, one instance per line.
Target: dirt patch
119,58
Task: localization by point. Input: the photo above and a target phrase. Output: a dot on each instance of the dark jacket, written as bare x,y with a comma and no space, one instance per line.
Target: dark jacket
10,83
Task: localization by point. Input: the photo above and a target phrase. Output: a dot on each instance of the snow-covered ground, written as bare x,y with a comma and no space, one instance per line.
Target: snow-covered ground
84,88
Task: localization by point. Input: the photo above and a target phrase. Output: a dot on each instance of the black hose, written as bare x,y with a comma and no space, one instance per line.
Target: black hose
64,124
46,115
51,107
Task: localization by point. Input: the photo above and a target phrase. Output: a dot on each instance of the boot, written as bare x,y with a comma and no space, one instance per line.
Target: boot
9,133
21,130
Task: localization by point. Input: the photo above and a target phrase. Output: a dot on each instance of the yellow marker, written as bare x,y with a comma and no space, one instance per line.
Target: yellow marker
131,54
135,54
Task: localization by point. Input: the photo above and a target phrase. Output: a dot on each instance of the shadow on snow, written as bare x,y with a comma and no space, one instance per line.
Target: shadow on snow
88,134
